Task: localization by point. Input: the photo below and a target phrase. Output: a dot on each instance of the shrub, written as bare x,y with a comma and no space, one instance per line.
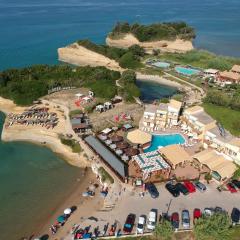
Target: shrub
105,176
76,148
157,31
74,112
25,85
214,227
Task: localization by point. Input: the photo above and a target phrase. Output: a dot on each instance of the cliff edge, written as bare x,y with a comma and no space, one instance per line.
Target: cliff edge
178,45
81,56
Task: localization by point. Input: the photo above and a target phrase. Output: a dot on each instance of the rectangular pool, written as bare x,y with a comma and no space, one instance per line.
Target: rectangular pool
187,71
164,140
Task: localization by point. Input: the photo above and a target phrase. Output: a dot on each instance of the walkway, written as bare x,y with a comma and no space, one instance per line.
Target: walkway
186,82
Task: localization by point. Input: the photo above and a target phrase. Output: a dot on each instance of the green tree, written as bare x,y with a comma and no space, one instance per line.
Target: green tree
164,230
137,50
208,177
214,227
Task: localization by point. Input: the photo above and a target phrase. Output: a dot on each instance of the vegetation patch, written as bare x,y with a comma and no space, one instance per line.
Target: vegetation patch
154,32
129,88
230,119
105,176
202,59
127,58
25,85
74,112
76,148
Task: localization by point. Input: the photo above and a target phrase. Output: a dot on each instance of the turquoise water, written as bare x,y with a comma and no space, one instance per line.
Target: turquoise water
187,71
33,181
161,64
164,140
31,31
151,91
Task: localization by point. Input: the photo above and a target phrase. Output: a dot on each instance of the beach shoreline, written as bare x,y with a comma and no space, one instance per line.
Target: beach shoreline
160,80
85,206
40,136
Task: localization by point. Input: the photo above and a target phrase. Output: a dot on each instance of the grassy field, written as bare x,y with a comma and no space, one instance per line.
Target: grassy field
202,59
227,117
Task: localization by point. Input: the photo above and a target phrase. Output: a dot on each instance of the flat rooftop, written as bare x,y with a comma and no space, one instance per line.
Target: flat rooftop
116,164
227,138
203,117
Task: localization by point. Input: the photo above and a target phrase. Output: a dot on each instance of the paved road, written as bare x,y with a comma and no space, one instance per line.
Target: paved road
133,203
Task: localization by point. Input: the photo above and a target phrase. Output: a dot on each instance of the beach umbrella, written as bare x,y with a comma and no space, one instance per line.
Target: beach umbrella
108,142
125,158
61,219
103,137
67,211
113,146
92,187
119,152
116,138
131,152
122,145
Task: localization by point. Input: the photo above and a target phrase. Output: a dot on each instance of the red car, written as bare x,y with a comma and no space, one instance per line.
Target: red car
231,188
190,187
196,213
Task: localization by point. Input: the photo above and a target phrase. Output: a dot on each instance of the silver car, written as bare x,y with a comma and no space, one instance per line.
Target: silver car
185,219
200,186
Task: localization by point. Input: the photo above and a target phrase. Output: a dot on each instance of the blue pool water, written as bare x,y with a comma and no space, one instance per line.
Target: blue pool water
161,64
164,140
186,71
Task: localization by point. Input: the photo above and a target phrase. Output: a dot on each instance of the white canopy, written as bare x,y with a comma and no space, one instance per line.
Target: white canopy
106,130
108,142
67,211
78,94
113,146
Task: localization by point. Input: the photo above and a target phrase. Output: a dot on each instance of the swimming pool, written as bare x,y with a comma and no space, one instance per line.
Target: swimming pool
164,140
161,64
186,71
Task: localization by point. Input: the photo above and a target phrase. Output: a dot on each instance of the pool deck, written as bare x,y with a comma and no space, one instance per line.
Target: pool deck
194,145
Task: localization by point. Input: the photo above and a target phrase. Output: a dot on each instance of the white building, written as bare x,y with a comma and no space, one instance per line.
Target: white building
174,108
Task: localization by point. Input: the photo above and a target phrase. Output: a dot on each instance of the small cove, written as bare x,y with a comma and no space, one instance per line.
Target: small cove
33,182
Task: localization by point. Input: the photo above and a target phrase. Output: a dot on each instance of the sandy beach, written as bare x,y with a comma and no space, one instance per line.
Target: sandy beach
85,207
158,79
40,135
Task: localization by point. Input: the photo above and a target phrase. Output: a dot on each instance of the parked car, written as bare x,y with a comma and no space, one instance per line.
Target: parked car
152,219
181,188
235,216
196,214
219,210
141,224
231,187
200,186
185,219
172,189
175,221
129,223
208,212
152,190
190,187
236,183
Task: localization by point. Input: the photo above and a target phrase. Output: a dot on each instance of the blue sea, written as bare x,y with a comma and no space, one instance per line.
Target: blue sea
32,30
33,180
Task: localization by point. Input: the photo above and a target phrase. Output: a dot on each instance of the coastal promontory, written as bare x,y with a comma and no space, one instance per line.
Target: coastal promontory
167,37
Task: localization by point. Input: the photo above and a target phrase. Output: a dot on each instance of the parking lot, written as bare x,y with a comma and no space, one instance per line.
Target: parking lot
132,202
